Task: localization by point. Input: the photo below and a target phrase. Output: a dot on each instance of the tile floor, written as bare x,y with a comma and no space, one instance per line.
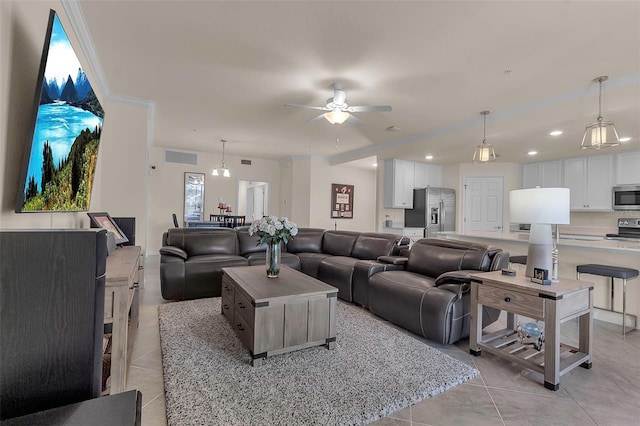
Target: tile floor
503,393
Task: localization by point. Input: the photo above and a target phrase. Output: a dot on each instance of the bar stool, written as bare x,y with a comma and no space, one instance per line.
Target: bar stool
612,272
522,260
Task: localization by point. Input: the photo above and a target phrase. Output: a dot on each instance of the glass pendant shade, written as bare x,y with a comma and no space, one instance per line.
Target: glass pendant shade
601,134
336,116
225,171
484,153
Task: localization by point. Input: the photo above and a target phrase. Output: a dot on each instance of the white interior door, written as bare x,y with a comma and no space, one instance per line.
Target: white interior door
258,202
483,204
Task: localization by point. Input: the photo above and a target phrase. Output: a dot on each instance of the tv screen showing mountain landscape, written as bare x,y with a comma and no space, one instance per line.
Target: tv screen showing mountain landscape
61,159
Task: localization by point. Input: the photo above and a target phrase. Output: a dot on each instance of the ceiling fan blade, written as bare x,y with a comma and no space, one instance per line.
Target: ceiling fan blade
355,121
369,108
316,118
324,108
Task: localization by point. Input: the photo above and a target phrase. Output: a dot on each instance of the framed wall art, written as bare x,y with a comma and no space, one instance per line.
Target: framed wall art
341,201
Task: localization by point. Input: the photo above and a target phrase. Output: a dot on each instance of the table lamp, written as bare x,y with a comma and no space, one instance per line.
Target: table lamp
540,207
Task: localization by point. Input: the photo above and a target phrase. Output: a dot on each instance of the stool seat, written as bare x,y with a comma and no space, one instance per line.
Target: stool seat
612,272
608,271
522,260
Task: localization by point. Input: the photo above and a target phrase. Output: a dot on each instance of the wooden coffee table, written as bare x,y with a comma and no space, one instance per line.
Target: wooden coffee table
276,315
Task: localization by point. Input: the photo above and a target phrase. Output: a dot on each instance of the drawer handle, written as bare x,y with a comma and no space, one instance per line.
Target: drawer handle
240,327
240,305
507,299
225,306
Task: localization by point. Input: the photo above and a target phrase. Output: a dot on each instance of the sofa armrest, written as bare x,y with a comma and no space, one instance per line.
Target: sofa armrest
393,260
455,277
173,251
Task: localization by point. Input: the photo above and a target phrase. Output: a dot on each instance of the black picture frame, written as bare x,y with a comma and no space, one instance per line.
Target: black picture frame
341,201
105,221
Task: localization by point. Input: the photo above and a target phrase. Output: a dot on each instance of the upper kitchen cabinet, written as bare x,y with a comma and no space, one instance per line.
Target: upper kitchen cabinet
399,181
427,175
628,168
590,180
546,174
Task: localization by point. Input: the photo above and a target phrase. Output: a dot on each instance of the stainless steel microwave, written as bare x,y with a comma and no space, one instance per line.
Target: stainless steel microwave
626,197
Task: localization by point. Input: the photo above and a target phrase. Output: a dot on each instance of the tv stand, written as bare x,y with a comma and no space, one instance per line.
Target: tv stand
120,285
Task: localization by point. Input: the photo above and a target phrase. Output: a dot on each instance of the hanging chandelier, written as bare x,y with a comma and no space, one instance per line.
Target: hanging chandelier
225,170
484,152
601,134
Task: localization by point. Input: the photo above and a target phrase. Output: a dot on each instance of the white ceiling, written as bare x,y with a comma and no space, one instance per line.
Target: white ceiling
224,70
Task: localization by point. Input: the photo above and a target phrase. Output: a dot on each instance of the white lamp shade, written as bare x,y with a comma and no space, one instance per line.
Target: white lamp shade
215,172
336,116
540,205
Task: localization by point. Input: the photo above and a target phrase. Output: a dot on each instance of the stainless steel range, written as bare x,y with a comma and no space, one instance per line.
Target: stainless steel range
628,229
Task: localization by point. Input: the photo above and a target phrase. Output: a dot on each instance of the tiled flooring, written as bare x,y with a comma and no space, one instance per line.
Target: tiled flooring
503,393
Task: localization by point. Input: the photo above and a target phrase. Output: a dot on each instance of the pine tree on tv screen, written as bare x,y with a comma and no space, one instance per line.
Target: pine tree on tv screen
64,148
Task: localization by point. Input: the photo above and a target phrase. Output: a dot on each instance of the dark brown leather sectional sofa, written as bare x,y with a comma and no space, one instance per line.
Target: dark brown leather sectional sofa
192,258
425,290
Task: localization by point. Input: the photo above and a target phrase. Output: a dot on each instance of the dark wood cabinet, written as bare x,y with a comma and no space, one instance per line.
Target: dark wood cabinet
52,286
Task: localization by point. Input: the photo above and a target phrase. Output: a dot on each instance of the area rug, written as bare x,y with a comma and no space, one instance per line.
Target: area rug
374,371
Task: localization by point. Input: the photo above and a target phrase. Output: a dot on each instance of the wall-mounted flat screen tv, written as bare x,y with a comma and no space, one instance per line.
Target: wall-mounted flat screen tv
60,159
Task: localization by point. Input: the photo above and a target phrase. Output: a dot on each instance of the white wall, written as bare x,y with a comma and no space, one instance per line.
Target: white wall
166,188
364,198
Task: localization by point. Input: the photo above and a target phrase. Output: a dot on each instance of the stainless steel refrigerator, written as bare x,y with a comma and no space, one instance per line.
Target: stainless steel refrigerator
434,209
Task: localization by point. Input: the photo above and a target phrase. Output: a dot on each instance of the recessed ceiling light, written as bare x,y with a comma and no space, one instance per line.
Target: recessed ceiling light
375,164
429,157
625,139
556,133
532,152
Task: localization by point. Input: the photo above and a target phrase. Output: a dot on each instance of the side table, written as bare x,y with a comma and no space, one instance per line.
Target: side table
553,304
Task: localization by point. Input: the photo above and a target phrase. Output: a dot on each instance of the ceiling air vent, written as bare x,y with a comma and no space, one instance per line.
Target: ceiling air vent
180,157
245,162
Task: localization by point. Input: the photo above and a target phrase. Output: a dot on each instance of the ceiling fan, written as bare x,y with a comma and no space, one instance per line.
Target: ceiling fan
337,109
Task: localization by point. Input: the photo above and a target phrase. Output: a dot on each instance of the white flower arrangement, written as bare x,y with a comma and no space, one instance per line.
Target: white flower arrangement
272,229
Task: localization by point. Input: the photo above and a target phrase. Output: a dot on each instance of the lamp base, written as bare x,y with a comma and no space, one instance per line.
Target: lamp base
540,249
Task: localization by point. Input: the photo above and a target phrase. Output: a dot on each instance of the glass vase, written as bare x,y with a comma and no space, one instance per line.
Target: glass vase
273,260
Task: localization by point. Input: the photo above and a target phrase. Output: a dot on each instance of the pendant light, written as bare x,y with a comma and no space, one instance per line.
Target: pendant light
484,152
225,170
601,134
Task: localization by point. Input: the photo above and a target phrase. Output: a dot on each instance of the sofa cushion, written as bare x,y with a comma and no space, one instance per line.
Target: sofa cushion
371,245
339,243
202,241
432,256
288,259
309,262
338,272
308,240
248,244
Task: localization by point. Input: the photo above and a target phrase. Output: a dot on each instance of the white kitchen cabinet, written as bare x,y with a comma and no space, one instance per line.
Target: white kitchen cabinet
590,180
399,181
427,175
628,168
545,174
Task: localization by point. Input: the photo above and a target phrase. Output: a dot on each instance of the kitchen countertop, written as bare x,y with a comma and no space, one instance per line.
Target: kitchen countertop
588,242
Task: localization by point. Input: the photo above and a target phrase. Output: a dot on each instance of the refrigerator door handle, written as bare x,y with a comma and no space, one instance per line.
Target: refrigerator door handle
443,218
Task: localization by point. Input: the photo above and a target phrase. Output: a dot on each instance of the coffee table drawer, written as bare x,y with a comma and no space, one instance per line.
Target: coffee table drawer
244,331
244,307
511,301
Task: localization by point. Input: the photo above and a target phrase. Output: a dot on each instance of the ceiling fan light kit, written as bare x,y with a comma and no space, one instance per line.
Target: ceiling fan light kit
336,116
223,167
484,152
601,134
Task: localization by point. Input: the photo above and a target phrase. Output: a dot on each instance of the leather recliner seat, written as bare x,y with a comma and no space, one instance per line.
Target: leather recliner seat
192,259
256,253
431,296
